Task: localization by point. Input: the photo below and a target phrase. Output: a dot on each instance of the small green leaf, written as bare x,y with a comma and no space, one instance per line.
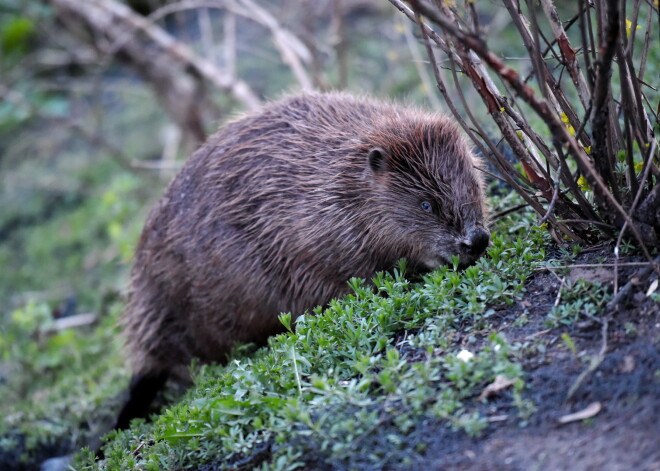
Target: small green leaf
16,33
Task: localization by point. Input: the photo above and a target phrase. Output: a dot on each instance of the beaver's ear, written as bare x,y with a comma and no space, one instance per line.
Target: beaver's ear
377,159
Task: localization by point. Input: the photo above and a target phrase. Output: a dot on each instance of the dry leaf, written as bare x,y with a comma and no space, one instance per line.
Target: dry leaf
500,383
590,411
652,288
601,275
497,418
628,364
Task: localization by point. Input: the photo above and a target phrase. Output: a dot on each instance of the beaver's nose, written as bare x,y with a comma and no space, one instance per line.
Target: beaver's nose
476,241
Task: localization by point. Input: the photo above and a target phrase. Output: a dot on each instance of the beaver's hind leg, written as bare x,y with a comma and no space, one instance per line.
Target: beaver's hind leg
142,391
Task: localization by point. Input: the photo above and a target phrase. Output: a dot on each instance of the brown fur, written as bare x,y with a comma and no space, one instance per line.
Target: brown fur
279,209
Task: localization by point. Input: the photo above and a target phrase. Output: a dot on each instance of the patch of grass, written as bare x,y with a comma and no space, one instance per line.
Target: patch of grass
339,380
580,299
54,383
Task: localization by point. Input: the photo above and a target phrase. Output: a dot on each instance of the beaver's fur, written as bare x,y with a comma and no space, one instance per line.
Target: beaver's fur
277,210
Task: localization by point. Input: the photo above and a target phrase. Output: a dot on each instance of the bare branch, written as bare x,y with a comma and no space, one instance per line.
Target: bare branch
239,89
230,43
174,70
206,34
567,52
421,70
599,111
465,43
292,49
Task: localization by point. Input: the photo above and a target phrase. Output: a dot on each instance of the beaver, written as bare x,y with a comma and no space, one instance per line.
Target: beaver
278,210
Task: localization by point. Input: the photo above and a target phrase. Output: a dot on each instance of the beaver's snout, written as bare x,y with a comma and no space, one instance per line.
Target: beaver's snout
476,242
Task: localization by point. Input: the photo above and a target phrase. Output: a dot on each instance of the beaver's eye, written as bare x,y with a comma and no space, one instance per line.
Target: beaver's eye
426,206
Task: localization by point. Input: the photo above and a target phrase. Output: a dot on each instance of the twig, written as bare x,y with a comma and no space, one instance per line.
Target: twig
626,291
615,269
338,26
421,70
587,39
139,447
292,49
70,322
149,165
595,362
504,212
562,284
645,50
206,34
114,10
403,8
593,265
589,221
295,370
229,22
537,334
555,194
531,42
567,52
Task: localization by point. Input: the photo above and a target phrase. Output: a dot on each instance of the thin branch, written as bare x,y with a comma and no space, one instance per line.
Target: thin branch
338,28
421,70
229,23
589,221
291,48
206,34
555,194
599,113
504,212
593,365
567,52
110,10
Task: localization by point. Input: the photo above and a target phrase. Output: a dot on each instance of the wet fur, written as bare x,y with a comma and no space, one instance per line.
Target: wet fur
279,209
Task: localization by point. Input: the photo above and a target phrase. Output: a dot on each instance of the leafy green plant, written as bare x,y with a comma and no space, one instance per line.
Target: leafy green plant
56,380
579,299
